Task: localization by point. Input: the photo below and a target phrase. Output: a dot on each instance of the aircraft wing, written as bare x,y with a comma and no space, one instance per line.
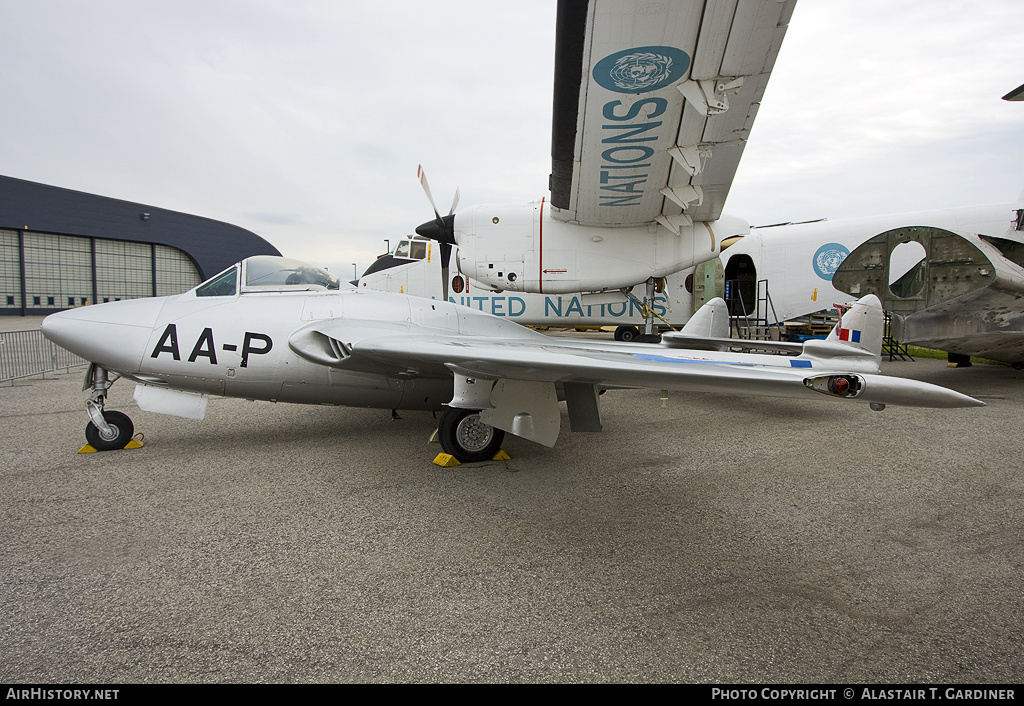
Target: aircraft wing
653,104
552,362
547,360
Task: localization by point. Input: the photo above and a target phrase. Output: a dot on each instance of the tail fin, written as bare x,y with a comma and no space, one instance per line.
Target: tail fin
861,327
710,321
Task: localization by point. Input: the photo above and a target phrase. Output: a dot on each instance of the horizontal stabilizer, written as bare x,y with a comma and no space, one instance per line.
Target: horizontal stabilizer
696,343
708,330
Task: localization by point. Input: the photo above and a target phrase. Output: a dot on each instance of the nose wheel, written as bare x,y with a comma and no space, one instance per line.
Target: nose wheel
463,435
118,433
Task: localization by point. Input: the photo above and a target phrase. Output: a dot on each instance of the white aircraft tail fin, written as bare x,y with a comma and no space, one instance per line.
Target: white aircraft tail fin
861,327
710,321
708,330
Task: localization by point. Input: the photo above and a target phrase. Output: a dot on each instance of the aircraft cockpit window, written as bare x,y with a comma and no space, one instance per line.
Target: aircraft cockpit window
267,272
223,285
411,250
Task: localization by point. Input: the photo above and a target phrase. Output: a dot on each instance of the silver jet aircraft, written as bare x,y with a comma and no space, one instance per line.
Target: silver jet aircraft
276,329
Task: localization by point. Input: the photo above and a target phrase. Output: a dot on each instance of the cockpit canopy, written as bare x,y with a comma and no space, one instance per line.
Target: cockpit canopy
266,273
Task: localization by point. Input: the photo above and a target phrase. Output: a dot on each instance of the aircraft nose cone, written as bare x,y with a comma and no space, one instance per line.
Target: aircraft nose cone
113,335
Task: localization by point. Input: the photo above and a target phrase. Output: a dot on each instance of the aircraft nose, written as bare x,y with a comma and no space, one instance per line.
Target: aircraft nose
113,335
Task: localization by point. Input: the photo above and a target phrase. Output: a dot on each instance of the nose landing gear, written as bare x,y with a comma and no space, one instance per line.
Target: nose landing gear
106,431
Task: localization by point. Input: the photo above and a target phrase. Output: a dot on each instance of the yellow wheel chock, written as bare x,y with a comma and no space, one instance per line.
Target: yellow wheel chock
448,461
135,443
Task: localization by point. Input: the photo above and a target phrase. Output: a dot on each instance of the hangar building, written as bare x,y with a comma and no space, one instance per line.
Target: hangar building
61,249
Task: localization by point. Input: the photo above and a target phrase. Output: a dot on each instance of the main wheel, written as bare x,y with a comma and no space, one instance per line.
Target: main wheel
463,435
626,333
122,428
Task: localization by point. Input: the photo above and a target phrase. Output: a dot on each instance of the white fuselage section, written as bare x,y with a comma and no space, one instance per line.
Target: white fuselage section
237,346
421,275
524,249
799,260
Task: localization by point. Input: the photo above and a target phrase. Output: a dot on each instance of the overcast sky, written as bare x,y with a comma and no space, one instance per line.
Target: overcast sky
304,121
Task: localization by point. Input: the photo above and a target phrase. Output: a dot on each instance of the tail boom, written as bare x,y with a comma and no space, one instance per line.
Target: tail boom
885,390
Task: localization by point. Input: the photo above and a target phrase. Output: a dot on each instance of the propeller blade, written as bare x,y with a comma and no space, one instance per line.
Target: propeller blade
422,175
455,202
441,229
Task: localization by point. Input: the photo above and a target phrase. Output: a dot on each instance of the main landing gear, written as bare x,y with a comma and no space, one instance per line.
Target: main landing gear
632,334
463,435
106,431
626,333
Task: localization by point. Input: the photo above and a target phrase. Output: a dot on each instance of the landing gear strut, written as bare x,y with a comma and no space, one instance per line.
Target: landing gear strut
106,431
631,333
463,435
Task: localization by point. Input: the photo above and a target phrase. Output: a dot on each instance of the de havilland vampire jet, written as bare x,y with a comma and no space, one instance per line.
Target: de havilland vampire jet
653,104
275,329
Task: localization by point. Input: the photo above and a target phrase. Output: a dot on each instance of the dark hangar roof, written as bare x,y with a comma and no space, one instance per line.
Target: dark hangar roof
212,245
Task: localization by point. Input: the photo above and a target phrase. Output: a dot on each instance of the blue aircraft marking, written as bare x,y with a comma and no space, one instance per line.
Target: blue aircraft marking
666,359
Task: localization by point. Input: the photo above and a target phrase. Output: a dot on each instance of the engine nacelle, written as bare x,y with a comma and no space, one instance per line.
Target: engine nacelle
523,249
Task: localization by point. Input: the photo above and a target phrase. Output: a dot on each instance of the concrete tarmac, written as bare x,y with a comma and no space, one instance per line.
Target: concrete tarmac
717,539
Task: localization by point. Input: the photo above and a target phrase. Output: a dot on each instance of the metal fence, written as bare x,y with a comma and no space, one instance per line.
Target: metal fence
27,353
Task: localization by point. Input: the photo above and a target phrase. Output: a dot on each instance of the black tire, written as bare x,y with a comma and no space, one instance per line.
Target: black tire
626,333
465,437
123,427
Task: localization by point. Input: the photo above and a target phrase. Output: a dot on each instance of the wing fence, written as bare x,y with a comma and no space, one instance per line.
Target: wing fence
27,353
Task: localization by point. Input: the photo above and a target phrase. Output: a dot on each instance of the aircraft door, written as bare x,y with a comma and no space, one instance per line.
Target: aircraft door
741,286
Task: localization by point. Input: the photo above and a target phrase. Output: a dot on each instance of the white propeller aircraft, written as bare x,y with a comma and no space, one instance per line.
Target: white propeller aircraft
653,103
276,329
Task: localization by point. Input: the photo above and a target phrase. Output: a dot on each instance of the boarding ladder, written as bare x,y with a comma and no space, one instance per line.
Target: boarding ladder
890,346
749,320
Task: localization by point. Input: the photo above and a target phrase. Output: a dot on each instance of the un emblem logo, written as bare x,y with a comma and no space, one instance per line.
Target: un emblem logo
641,69
828,258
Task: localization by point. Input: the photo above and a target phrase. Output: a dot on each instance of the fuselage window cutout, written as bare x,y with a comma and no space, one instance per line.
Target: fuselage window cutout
223,285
